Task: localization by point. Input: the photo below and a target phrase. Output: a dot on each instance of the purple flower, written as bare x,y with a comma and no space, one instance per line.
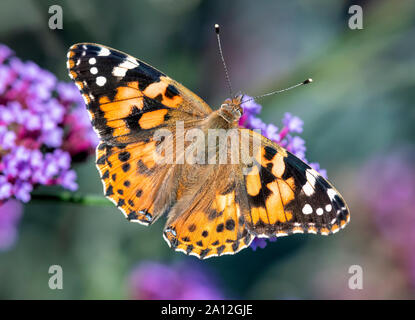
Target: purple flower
68,180
296,145
68,92
22,190
41,129
293,123
53,138
271,132
7,138
387,185
5,52
251,106
316,166
5,188
261,242
286,138
24,168
156,281
10,214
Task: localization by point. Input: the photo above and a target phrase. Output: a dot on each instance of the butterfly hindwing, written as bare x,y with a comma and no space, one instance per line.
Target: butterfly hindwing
131,179
212,223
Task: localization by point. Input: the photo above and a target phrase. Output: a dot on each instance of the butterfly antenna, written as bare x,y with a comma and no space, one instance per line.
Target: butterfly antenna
223,60
307,81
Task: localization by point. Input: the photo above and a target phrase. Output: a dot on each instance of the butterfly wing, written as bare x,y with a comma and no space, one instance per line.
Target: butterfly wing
287,196
128,100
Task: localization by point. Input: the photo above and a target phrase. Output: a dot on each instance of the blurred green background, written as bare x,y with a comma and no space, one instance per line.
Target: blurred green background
360,106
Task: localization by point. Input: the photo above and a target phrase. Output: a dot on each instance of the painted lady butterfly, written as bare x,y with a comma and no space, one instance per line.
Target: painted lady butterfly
213,209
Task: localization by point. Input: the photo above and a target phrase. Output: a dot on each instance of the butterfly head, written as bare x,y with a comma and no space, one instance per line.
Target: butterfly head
231,109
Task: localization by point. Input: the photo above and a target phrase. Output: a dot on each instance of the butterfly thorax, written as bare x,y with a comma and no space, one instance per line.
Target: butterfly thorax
231,109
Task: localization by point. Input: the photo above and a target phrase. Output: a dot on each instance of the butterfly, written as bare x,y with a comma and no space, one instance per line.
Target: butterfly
212,209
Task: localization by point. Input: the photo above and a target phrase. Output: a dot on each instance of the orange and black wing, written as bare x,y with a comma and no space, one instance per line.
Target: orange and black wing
209,221
276,194
287,196
128,100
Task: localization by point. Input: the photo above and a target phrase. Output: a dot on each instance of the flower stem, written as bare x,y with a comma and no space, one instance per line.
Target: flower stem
68,197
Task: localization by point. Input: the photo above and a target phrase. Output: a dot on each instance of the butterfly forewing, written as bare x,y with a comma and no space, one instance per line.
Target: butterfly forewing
120,90
287,196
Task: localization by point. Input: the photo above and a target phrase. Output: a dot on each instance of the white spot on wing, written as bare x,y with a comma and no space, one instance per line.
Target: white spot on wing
92,60
119,72
307,209
324,233
328,207
319,211
123,67
101,81
104,52
128,64
331,193
308,188
94,70
298,231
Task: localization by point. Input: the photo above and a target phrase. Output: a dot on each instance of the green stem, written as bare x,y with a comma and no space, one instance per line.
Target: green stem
68,197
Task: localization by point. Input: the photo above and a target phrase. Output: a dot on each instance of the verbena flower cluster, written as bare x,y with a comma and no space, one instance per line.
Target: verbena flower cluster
287,137
43,127
156,281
